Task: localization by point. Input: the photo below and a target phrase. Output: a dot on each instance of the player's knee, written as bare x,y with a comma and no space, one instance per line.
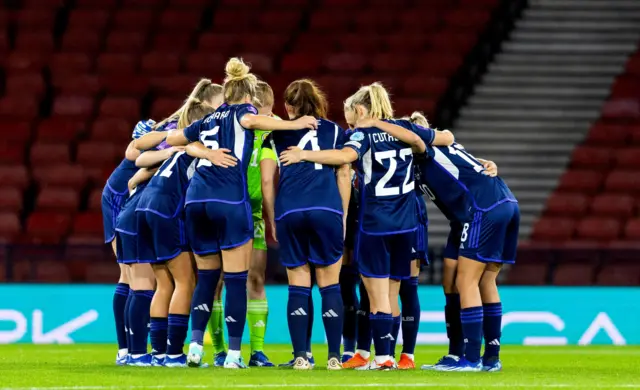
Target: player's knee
255,281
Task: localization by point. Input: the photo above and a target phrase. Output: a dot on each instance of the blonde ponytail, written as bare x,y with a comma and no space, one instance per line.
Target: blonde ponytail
419,119
196,105
374,98
239,82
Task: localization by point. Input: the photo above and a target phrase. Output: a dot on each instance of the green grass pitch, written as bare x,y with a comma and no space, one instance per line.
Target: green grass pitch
91,367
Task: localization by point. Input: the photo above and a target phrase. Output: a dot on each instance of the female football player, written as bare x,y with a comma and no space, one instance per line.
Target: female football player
218,210
308,212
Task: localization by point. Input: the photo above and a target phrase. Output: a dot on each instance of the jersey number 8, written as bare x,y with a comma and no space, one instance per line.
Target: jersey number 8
381,189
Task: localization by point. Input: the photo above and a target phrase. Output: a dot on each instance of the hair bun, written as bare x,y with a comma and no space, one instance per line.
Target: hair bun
236,69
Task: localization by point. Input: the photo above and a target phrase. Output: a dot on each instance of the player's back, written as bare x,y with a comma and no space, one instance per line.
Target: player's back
307,186
385,168
456,182
222,129
117,181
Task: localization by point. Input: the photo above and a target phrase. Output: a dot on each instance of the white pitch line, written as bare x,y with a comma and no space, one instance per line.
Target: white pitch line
314,385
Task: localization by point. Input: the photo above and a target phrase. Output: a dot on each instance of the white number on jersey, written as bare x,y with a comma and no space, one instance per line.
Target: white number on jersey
381,188
211,144
167,172
459,151
311,137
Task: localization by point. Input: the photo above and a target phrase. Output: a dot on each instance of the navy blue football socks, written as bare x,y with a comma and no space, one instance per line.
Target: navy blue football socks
348,284
471,319
381,327
410,314
120,298
158,335
395,330
454,327
235,307
364,323
298,319
202,303
492,329
177,333
139,321
332,317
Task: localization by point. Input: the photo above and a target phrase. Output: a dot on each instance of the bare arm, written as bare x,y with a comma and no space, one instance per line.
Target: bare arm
443,138
404,135
141,176
262,122
343,178
268,171
177,138
132,153
150,140
340,157
152,158
219,157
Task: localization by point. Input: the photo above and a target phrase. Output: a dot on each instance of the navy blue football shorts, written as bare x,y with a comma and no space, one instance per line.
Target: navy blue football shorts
453,241
420,249
215,226
160,239
492,236
112,203
127,234
385,256
311,236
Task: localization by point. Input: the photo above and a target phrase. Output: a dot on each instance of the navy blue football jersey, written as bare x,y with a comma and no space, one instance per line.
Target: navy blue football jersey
453,179
119,178
386,184
307,185
217,130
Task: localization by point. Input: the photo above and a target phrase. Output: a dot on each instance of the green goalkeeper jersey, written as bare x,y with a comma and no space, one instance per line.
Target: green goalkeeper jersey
254,181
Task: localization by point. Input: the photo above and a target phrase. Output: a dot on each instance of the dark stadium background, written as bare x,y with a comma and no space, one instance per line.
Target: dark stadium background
552,98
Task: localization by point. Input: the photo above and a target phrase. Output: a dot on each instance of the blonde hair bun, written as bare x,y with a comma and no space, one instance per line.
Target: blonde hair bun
236,69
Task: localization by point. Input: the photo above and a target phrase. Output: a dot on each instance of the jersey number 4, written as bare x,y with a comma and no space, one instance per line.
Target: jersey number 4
311,138
407,186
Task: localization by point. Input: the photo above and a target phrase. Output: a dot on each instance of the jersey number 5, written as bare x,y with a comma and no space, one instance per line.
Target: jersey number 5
381,189
211,144
311,137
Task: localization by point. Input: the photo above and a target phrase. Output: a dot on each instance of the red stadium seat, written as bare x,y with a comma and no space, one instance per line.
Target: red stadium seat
131,42
163,107
16,132
619,274
47,227
89,19
623,181
217,43
628,158
127,108
345,62
180,20
60,175
35,18
102,272
160,64
467,20
97,154
234,20
25,61
324,20
591,157
58,199
279,21
177,41
622,108
528,274
420,22
264,43
18,108
601,229
111,130
10,199
38,41
260,63
439,65
69,64
58,130
73,106
95,200
9,227
11,154
14,176
174,86
88,224
553,229
101,4
300,64
607,134
133,20
131,85
566,205
116,63
51,272
195,3
391,63
581,181
317,42
377,19
82,41
614,206
142,4
632,230
43,154
201,63
5,46
449,41
574,274
80,84
424,86
341,3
